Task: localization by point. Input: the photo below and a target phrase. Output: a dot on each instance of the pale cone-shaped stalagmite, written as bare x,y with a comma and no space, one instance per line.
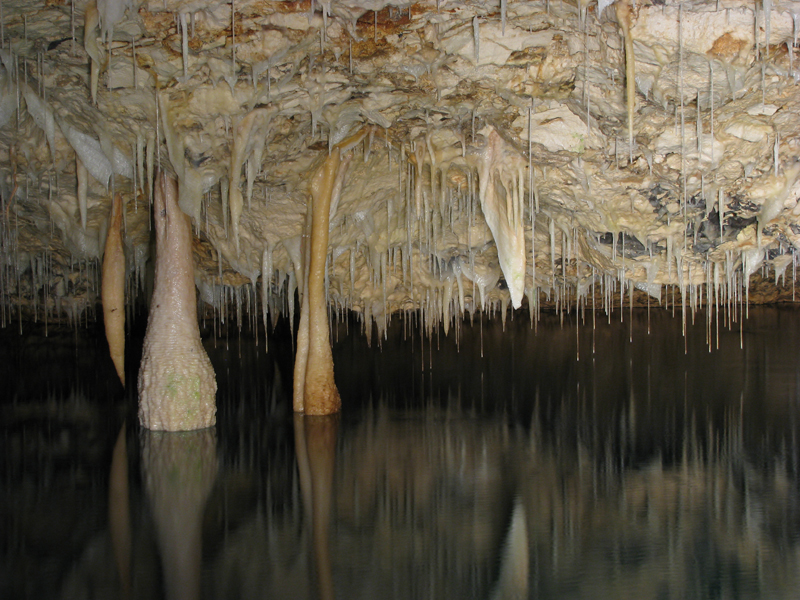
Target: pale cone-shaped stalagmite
177,386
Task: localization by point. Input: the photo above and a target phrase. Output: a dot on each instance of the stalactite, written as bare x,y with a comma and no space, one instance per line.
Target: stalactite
504,215
113,288
241,141
91,21
624,18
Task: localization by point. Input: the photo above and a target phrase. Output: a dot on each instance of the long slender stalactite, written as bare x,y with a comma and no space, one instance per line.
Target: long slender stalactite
113,288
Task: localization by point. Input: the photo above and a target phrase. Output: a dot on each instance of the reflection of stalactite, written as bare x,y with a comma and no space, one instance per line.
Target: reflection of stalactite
179,469
315,441
119,513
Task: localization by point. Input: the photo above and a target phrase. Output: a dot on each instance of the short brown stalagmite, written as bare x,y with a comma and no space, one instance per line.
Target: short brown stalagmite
113,289
177,386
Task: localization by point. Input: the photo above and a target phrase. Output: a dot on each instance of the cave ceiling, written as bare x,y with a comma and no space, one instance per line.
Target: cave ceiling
506,153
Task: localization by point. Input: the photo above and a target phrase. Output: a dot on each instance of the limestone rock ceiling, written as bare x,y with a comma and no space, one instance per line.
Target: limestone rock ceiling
498,164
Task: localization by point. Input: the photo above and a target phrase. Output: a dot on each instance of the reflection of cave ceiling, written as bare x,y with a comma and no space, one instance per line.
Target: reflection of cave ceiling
485,123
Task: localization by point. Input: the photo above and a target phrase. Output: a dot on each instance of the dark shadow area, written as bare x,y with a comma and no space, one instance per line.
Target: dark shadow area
548,462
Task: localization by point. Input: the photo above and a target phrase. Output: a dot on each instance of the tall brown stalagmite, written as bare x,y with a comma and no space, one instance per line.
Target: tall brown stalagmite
177,386
113,288
315,391
320,397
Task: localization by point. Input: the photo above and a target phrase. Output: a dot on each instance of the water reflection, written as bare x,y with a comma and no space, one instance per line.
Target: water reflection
119,512
315,440
653,469
179,469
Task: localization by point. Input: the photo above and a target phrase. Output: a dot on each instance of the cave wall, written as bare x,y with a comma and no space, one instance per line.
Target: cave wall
516,153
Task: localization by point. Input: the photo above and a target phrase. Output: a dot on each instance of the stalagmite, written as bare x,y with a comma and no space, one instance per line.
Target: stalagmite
316,382
177,387
113,288
624,17
320,396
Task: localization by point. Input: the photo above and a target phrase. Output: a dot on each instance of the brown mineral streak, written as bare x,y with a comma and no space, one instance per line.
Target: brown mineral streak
113,289
177,387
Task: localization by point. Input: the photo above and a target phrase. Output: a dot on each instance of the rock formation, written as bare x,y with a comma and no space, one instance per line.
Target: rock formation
113,290
177,387
521,153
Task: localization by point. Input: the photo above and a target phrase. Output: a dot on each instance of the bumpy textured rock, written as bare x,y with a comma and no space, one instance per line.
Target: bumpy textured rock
177,386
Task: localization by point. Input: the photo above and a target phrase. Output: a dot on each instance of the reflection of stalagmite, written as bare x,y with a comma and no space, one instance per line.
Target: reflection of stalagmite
316,443
313,374
179,470
177,387
113,289
119,513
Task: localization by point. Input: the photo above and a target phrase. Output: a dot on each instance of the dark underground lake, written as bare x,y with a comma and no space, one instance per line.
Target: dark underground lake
565,460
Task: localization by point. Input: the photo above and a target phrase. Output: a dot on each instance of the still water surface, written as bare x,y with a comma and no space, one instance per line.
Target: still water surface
649,468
